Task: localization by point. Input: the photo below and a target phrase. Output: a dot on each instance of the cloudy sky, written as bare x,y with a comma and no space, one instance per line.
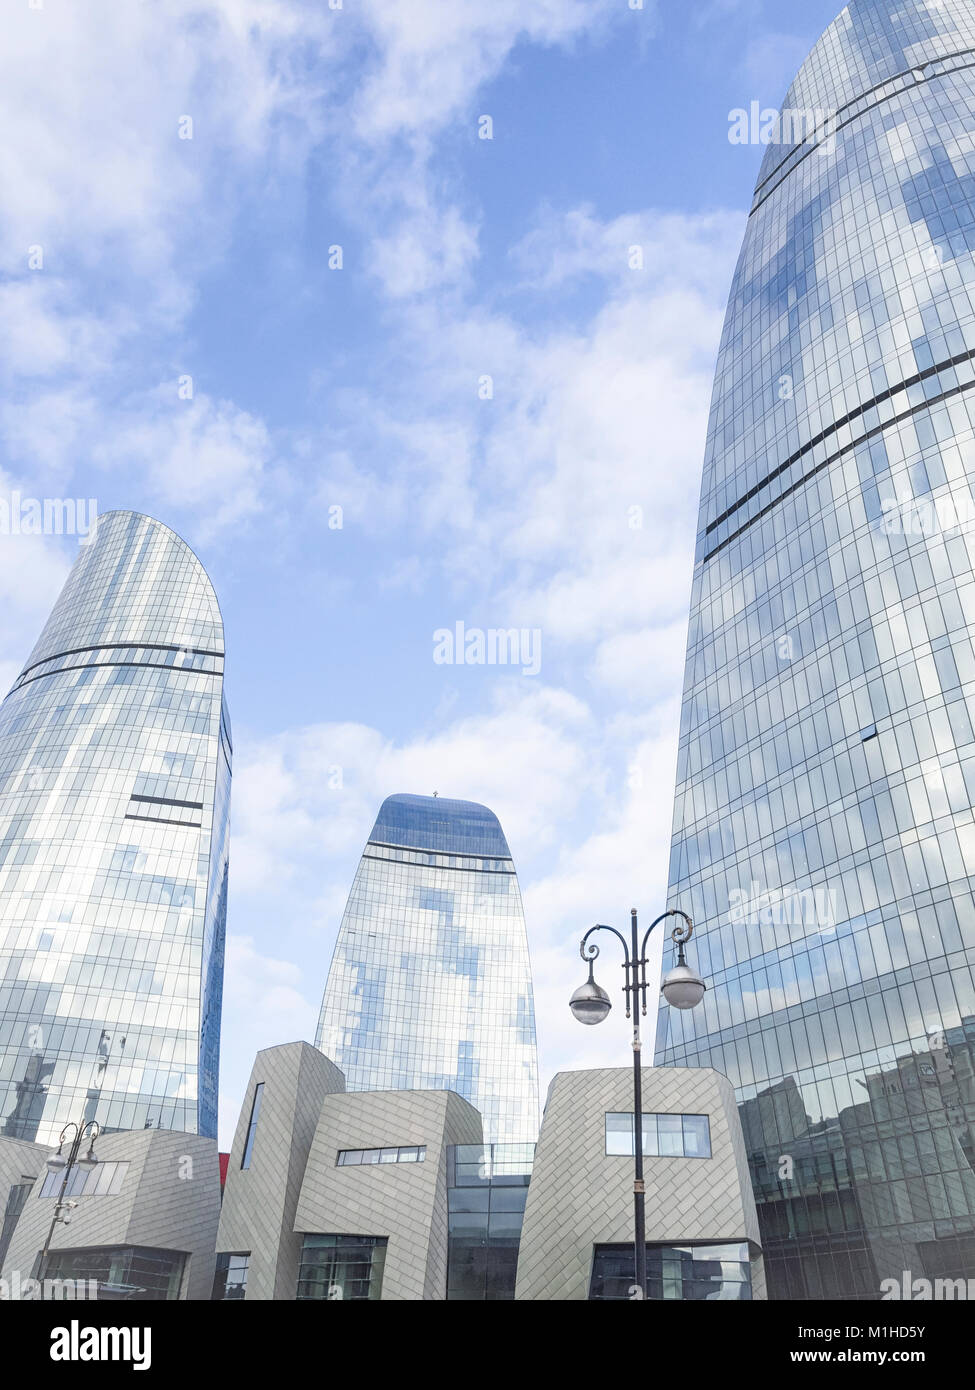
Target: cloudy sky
261,273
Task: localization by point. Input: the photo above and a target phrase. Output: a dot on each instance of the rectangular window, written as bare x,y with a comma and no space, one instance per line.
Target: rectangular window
696,1273
135,1273
664,1136
245,1162
486,1190
16,1200
413,1153
104,1180
230,1276
337,1268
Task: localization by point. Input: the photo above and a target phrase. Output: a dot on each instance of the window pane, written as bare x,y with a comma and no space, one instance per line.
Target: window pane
670,1135
651,1139
697,1136
619,1134
245,1162
101,1179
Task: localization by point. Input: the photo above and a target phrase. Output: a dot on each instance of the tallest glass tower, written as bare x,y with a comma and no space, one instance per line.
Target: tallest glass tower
824,837
114,799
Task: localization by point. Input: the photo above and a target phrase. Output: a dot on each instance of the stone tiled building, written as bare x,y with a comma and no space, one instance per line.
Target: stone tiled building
287,1089
287,1190
20,1163
577,1239
406,1202
373,1194
393,1195
145,1222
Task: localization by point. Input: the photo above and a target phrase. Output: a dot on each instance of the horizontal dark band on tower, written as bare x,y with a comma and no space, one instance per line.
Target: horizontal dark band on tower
122,647
158,820
853,444
463,853
448,868
110,665
167,801
798,153
860,410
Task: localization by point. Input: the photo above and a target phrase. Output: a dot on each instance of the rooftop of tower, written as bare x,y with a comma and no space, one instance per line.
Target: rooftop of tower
135,581
439,825
869,43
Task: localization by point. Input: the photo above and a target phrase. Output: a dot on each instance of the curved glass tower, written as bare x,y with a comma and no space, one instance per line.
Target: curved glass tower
114,799
824,839
430,983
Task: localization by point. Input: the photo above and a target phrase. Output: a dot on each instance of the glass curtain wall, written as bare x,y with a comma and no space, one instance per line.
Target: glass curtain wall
824,838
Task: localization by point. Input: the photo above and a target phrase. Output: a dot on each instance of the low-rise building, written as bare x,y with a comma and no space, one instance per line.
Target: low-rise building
393,1195
144,1225
702,1229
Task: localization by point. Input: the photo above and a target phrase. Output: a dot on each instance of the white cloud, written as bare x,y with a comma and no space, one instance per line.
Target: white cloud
770,64
674,250
203,458
32,570
264,1005
268,992
426,69
430,60
97,93
314,792
528,497
568,500
622,864
125,217
429,248
46,332
647,665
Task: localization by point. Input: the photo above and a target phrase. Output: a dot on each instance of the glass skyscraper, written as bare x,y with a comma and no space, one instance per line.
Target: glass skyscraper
115,761
430,983
824,839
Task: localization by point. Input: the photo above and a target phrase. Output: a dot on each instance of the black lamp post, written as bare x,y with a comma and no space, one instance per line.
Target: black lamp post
683,989
57,1163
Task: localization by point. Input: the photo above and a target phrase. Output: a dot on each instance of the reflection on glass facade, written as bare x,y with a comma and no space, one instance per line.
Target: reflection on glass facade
402,1153
824,839
696,1273
487,1186
114,801
230,1277
430,983
334,1268
664,1136
134,1273
104,1180
245,1161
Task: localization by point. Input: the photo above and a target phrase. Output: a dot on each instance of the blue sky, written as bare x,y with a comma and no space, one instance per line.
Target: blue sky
358,388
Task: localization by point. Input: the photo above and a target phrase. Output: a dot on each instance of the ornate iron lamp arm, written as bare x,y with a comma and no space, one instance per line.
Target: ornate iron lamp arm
588,950
679,935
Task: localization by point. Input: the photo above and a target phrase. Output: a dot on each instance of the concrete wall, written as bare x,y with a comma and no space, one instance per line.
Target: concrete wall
406,1202
580,1196
259,1203
170,1200
19,1159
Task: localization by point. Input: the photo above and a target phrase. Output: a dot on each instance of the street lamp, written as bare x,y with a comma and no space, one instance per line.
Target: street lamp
682,988
57,1163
